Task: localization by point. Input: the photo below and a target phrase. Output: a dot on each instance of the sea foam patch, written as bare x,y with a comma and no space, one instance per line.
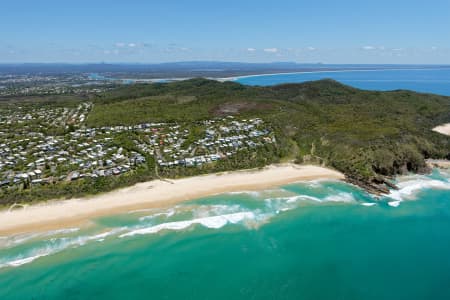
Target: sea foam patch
409,189
209,222
169,213
368,204
250,193
21,261
340,197
204,211
394,203
15,240
53,246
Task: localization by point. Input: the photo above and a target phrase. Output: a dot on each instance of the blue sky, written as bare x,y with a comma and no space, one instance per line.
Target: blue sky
338,31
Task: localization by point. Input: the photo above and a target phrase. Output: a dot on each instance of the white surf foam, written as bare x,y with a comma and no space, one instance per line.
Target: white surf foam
15,240
408,189
169,213
293,199
102,236
394,203
251,193
54,246
314,183
22,261
32,255
306,197
340,197
282,204
204,211
62,231
368,204
210,222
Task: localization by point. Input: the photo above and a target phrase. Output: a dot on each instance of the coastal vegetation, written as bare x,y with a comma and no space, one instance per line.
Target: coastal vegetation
369,136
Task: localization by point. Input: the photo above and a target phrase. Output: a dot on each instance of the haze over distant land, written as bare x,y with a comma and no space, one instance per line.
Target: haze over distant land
189,69
364,32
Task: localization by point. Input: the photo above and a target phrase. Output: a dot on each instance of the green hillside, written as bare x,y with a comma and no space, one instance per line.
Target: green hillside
365,134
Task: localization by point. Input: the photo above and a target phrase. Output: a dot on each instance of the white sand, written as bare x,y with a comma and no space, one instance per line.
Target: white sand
438,163
444,129
64,213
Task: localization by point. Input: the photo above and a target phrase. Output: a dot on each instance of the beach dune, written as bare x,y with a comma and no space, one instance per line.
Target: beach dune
443,129
158,193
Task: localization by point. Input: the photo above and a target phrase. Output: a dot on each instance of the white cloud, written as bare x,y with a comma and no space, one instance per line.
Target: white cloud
120,45
271,50
434,48
311,48
251,49
368,48
131,45
397,49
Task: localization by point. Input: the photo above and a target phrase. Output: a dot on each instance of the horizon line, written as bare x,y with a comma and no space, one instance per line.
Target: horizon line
219,61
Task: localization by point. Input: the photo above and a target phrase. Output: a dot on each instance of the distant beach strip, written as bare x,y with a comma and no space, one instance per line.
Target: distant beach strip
423,80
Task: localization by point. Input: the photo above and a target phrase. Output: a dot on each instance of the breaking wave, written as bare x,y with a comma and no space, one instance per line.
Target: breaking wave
250,211
52,246
214,222
250,193
6,242
411,186
340,197
166,214
394,203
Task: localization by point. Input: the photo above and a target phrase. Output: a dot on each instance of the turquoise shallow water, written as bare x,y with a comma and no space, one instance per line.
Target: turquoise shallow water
312,240
435,81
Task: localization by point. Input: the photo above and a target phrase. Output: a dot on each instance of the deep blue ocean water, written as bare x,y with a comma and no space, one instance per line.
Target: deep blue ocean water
435,81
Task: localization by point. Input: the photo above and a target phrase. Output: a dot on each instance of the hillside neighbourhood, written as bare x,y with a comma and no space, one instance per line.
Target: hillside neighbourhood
47,144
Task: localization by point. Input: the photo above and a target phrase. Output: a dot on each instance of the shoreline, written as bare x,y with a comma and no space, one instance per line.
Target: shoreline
235,78
57,214
438,163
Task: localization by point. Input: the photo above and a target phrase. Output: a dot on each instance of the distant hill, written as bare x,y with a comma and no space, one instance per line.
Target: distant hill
367,135
187,69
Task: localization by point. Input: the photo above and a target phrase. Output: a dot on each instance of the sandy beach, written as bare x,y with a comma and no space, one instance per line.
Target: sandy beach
438,163
154,194
443,129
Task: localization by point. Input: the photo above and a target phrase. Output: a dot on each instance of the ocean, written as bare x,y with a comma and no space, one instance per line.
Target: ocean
435,81
310,240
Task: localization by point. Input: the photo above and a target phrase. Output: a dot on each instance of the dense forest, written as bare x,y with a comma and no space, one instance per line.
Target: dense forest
370,136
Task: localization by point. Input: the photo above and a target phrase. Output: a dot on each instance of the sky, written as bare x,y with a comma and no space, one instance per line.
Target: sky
303,31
